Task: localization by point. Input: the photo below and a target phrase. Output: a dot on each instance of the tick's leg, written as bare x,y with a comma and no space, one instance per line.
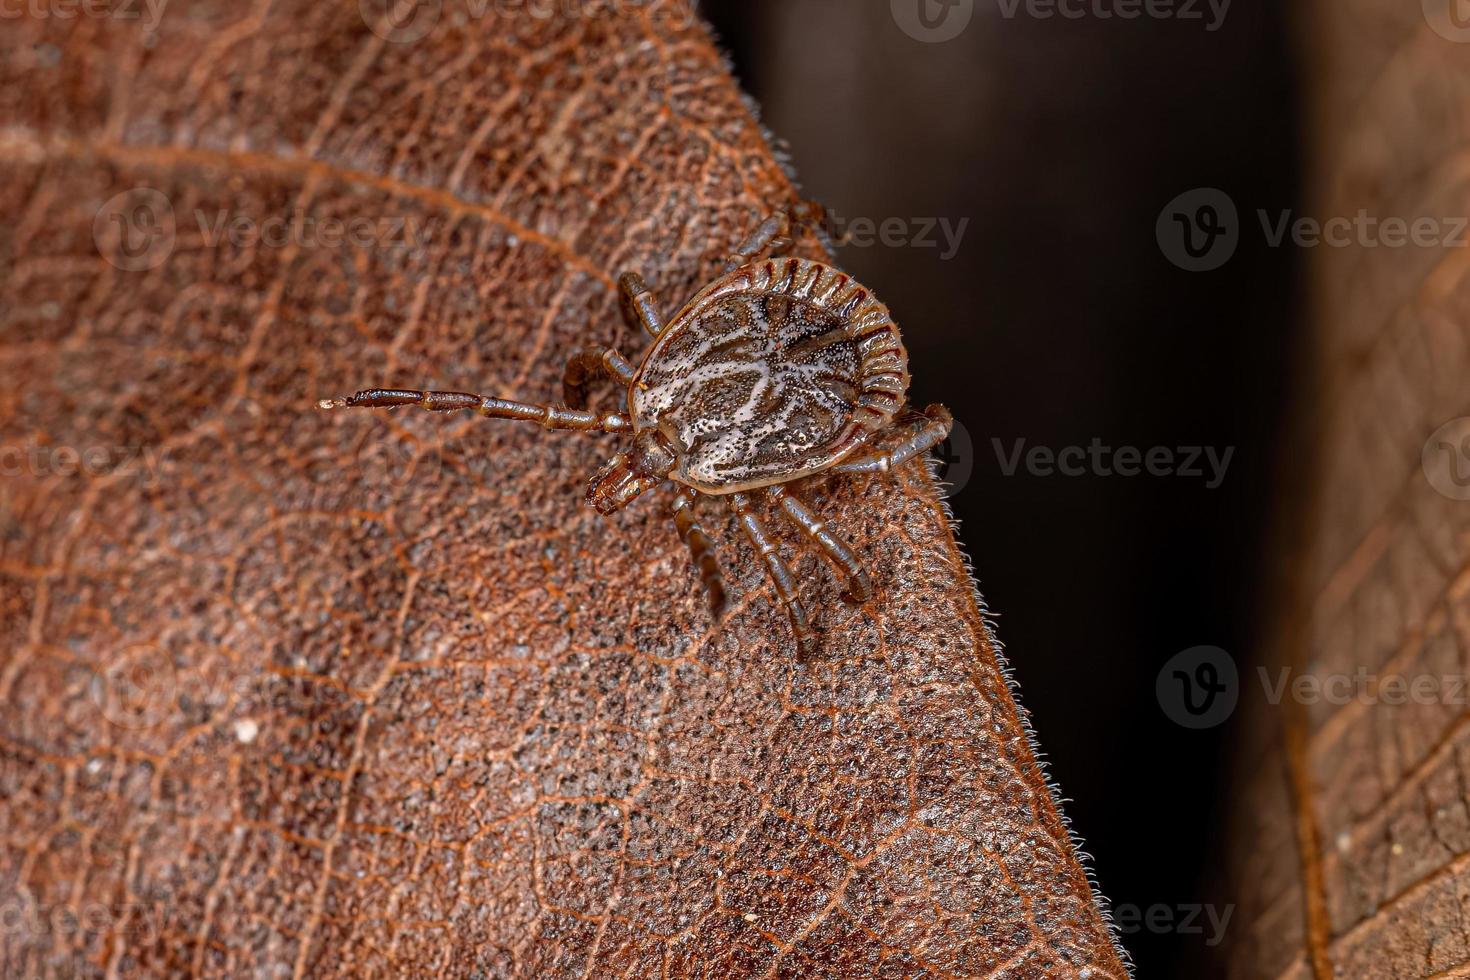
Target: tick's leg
930,429
702,550
781,577
587,366
773,236
859,586
640,306
549,416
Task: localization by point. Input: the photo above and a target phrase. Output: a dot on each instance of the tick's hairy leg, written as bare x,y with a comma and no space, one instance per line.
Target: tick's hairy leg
587,366
548,416
701,550
781,577
930,428
639,305
859,585
773,235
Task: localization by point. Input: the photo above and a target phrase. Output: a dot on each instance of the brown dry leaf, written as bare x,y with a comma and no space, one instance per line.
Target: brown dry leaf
1356,829
287,692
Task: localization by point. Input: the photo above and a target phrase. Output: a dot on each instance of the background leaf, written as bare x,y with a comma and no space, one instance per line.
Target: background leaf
1354,827
376,695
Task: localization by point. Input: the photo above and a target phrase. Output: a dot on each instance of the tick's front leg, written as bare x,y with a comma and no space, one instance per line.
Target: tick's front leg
780,573
587,366
773,236
639,305
547,416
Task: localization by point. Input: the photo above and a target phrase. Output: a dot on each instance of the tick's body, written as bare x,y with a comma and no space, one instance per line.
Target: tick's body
781,369
774,372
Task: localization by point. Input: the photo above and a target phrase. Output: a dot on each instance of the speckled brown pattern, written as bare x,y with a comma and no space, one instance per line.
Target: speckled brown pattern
292,694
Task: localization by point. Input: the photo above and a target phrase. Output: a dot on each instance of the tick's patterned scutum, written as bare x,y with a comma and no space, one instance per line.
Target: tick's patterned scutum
777,370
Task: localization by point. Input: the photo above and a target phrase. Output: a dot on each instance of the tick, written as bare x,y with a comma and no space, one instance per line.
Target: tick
779,370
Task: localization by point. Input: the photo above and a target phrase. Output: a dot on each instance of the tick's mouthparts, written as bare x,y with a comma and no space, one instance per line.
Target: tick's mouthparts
616,485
